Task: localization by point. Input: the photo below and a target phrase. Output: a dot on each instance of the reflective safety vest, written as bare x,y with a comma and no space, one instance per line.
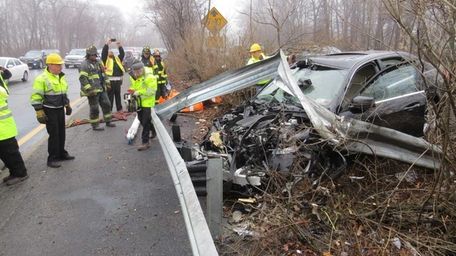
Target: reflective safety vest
253,60
49,91
109,64
8,127
146,87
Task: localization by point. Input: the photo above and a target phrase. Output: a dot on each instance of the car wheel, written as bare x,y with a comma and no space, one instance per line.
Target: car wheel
25,76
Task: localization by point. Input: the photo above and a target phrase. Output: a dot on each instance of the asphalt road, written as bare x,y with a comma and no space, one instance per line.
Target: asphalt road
110,200
19,99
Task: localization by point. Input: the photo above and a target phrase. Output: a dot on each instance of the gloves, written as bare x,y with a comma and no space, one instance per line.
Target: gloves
41,116
68,110
131,91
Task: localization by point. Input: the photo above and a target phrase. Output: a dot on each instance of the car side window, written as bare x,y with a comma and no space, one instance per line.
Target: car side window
17,62
10,63
358,81
393,83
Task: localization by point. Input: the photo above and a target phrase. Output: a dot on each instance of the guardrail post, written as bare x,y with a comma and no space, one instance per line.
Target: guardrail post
214,198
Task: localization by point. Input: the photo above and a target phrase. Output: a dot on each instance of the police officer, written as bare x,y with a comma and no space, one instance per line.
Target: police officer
144,86
49,98
9,149
94,84
162,76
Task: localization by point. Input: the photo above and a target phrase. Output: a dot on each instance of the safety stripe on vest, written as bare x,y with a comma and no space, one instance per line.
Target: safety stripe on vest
2,117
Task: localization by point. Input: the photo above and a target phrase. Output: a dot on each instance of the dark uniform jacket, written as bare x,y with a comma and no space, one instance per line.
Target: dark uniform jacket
92,77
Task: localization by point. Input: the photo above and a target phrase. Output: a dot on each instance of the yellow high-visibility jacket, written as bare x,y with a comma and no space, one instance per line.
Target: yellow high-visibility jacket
8,127
49,91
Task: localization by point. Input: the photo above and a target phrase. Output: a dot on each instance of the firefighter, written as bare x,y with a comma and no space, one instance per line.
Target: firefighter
256,54
50,101
9,149
146,58
143,87
114,71
162,77
94,84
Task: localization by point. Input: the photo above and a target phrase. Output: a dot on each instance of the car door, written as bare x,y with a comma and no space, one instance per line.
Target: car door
20,66
11,66
399,104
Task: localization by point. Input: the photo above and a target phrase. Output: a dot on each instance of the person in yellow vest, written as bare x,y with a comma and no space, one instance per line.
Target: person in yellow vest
9,149
256,54
51,103
114,71
144,86
162,77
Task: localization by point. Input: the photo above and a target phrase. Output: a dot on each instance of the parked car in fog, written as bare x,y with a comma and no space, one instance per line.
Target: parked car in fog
34,59
19,70
37,58
74,58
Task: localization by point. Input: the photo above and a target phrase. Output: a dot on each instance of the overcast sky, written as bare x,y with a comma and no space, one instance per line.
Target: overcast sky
228,8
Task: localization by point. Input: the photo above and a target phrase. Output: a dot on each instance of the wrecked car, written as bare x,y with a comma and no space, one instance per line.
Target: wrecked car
316,115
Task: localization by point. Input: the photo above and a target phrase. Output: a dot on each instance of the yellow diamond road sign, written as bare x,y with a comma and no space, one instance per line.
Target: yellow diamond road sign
214,21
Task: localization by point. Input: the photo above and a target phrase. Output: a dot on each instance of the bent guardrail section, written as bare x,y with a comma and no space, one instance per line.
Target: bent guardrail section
198,231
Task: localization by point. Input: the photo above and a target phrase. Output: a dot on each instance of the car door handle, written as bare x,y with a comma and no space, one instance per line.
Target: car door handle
412,106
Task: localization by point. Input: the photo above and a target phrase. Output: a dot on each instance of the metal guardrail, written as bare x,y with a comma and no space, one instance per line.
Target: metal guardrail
222,84
198,231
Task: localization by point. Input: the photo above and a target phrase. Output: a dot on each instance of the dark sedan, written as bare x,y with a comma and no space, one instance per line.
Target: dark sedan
384,88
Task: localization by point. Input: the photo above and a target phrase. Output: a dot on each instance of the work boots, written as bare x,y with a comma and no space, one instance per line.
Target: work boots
53,164
110,124
12,180
144,146
97,127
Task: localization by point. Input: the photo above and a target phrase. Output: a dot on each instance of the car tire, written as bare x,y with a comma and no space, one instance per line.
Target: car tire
25,76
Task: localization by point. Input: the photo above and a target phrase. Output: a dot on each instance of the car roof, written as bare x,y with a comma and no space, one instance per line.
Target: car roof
346,60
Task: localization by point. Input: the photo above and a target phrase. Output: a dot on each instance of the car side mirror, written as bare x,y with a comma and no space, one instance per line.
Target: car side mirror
9,66
361,104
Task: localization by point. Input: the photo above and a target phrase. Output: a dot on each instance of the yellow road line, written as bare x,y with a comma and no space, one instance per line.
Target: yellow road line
40,127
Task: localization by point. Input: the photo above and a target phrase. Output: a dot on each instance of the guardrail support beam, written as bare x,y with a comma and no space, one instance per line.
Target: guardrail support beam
214,198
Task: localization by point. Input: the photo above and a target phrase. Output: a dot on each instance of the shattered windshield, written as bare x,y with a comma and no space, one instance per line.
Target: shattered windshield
33,54
322,84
